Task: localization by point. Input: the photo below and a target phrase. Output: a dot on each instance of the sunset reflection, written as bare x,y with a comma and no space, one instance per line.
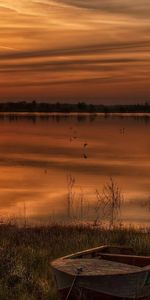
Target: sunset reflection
35,159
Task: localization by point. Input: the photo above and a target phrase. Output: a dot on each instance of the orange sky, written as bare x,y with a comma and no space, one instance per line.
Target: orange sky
92,50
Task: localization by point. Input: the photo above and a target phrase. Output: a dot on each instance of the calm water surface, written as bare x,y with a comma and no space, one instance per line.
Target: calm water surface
38,154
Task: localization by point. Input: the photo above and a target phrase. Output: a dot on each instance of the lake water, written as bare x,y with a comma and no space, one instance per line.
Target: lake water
39,155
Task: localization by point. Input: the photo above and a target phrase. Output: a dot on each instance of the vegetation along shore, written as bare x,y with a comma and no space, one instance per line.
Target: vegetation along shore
26,253
80,107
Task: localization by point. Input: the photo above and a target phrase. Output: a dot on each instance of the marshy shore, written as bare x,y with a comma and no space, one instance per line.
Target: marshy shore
26,252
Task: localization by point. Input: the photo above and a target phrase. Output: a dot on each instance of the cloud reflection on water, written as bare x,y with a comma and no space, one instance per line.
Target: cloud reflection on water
35,159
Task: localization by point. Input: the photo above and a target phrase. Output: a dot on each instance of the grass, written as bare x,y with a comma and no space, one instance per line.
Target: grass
25,254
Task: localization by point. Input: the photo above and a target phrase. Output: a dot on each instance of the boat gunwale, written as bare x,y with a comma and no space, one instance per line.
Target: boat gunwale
72,257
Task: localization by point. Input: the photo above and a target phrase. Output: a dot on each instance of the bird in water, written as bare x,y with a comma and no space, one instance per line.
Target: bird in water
122,131
73,134
84,151
85,145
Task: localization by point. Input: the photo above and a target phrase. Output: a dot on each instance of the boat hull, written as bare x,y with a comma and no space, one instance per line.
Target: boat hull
131,286
86,294
107,273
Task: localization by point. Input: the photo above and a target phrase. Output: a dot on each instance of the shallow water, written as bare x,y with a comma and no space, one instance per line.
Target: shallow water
38,154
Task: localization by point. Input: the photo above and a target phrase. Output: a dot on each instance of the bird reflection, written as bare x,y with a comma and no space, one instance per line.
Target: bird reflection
74,136
85,156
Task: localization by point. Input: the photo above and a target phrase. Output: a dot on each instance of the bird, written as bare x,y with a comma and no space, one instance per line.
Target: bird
85,145
122,131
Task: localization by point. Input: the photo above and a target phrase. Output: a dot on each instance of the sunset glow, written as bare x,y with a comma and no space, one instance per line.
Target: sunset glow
71,50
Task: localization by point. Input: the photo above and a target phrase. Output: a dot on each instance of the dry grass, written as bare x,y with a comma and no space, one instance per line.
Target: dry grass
25,254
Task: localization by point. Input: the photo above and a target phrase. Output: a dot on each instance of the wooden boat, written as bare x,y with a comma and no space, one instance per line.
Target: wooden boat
103,273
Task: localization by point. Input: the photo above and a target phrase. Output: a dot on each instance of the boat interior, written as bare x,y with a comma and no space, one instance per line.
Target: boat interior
116,254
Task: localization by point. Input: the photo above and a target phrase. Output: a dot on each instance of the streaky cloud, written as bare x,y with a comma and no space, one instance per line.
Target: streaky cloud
81,50
140,8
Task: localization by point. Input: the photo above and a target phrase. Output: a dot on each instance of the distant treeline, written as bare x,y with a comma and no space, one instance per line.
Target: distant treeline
82,107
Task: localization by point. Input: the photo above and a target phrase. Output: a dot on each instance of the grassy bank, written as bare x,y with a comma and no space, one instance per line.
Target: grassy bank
25,254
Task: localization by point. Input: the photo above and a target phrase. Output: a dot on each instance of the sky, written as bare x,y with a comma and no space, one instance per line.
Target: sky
75,50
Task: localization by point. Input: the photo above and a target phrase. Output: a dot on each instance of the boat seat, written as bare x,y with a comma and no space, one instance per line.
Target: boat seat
140,261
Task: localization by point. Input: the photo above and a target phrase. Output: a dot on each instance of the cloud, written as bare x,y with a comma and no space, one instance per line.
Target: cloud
80,50
70,41
97,64
139,8
71,64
